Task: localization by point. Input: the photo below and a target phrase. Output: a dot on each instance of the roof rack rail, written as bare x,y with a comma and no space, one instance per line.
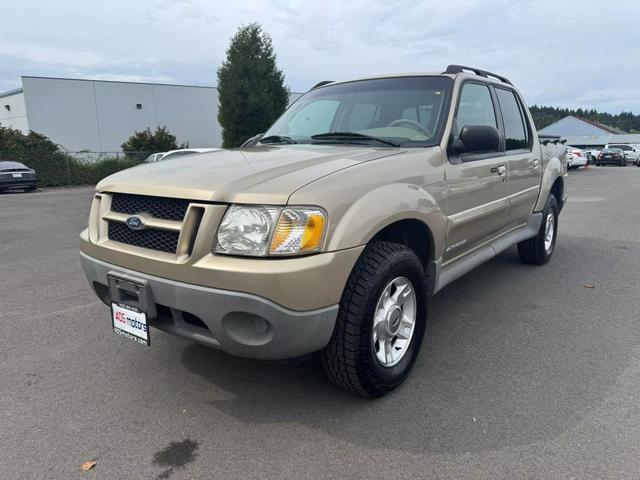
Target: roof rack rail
453,69
322,84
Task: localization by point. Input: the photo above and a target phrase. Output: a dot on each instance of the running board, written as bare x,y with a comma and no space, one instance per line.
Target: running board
447,274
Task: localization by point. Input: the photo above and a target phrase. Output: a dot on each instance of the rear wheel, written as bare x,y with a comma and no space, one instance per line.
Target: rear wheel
539,249
380,323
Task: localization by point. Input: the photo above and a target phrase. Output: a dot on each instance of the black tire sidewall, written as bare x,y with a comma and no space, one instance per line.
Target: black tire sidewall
407,267
551,206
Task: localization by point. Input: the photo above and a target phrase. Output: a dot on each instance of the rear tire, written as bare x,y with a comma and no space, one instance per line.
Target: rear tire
539,249
352,357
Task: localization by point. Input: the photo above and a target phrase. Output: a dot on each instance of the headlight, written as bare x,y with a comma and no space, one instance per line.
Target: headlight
265,230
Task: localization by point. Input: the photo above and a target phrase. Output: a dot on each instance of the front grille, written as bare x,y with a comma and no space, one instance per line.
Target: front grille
162,240
159,207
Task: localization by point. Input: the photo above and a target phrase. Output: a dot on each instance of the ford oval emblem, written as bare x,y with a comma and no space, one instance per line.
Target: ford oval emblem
135,222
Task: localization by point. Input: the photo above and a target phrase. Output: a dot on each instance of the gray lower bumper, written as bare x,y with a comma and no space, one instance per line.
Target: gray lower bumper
238,323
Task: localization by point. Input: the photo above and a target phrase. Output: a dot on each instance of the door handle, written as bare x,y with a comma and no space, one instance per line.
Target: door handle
500,170
536,164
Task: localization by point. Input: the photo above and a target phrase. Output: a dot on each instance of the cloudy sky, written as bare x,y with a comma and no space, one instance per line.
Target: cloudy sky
568,53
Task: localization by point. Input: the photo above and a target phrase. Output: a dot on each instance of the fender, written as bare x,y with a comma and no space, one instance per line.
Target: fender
383,206
553,169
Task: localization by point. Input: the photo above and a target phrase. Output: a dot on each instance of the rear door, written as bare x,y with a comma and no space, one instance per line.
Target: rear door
523,161
477,200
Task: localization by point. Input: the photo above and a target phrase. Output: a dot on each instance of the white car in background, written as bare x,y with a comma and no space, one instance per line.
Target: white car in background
576,158
156,157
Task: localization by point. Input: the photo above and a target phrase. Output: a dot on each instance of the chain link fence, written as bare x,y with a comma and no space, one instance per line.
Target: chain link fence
87,156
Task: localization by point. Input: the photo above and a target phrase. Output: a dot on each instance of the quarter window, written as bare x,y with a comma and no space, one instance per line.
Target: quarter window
514,128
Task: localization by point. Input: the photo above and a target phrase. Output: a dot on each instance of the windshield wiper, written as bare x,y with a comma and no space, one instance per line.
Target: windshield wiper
352,136
277,139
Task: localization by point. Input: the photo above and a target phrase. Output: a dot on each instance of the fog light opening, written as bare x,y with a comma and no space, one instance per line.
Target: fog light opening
247,328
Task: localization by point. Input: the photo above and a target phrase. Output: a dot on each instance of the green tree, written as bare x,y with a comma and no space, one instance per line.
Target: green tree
251,89
147,142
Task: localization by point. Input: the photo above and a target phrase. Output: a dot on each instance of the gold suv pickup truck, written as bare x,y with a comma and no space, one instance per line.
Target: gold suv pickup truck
331,231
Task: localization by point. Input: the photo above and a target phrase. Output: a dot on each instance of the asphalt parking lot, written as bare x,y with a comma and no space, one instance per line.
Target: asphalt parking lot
524,372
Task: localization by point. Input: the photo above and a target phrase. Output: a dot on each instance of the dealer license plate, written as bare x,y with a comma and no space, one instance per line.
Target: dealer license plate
130,322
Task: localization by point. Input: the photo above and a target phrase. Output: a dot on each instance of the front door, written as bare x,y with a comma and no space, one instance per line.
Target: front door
477,187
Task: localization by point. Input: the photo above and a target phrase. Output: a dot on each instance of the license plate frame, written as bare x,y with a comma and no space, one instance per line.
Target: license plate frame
131,301
130,322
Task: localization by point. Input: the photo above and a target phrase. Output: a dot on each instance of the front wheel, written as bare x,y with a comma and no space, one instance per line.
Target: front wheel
538,250
380,323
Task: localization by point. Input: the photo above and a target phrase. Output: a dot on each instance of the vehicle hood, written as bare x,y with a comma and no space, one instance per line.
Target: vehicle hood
267,175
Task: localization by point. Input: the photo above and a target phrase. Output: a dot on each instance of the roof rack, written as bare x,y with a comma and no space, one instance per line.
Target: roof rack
453,69
322,84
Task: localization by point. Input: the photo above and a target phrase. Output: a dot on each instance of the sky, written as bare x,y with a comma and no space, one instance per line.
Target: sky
565,53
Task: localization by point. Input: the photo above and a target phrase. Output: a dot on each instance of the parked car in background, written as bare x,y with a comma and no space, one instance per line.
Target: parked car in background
16,176
631,154
592,155
154,157
364,199
184,151
613,156
576,158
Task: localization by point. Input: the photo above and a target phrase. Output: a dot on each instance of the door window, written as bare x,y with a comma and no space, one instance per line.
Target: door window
476,106
515,130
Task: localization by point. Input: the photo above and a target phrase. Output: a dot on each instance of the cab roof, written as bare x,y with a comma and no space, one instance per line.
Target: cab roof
452,71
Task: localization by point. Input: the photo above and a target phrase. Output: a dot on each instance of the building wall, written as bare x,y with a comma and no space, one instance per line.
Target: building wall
100,116
15,116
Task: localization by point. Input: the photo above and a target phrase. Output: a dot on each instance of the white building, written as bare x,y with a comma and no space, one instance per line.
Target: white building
99,116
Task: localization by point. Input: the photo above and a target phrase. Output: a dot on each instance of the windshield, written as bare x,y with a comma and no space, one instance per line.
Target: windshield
408,111
621,147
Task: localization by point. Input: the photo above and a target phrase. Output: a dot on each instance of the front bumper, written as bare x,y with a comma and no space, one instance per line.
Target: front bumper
239,323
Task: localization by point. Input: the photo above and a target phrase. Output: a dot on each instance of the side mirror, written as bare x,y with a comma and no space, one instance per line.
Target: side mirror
253,141
477,138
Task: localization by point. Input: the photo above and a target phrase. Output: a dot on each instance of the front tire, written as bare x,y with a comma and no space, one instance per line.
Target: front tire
539,249
380,323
